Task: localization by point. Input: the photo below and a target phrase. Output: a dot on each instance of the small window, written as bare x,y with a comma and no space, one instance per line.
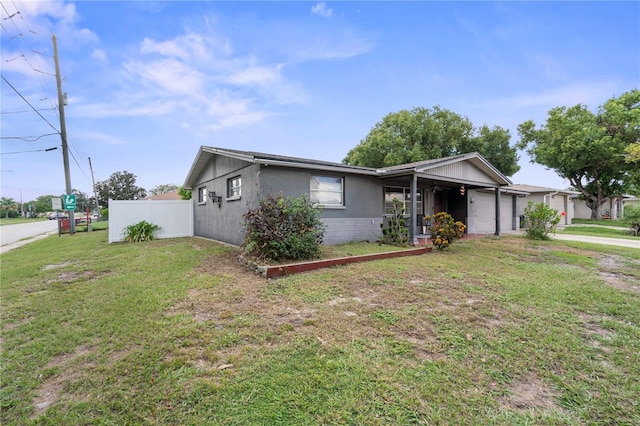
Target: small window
327,191
234,187
202,195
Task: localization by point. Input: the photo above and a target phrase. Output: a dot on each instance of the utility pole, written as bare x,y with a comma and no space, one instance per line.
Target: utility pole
93,180
63,134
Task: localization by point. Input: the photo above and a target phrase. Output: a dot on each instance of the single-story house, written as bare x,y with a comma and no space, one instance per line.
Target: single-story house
226,183
558,199
613,207
169,195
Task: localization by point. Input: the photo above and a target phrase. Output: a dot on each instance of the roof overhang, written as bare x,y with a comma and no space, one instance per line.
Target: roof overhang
424,169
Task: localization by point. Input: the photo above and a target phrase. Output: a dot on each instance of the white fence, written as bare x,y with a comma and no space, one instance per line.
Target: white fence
175,217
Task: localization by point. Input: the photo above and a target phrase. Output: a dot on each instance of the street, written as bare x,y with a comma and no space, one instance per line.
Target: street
12,235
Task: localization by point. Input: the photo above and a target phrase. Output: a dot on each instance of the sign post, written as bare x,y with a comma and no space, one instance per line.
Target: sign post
70,205
56,205
70,201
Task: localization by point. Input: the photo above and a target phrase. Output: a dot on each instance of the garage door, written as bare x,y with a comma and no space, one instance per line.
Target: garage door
481,212
557,202
506,213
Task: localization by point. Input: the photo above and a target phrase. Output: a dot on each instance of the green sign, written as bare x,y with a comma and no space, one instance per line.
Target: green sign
69,201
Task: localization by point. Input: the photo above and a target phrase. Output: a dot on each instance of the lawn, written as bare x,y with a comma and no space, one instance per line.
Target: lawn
15,220
492,331
599,231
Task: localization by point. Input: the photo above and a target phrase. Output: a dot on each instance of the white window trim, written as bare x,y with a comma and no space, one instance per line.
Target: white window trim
234,197
340,206
204,196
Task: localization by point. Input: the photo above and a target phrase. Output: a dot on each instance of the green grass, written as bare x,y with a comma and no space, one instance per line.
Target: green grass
16,220
598,231
602,222
492,331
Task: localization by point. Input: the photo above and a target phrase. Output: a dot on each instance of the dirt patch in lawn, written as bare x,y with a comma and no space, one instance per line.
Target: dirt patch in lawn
529,392
69,367
610,268
344,306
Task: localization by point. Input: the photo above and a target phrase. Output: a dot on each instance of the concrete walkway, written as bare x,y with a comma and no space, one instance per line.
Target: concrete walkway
599,240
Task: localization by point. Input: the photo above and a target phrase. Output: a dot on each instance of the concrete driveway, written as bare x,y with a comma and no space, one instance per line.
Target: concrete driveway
599,240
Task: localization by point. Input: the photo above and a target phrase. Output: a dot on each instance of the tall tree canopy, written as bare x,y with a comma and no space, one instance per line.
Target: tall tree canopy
424,134
119,186
163,189
7,203
591,150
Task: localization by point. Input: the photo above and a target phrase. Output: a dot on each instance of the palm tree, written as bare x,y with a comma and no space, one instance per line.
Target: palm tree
6,204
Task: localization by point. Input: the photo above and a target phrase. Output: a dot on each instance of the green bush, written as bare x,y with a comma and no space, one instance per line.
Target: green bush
445,230
632,214
284,228
141,231
539,220
395,232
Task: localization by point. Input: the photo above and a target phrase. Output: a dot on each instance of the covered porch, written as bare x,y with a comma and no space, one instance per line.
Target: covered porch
465,186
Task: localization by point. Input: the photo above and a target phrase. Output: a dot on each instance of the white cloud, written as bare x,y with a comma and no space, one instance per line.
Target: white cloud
591,94
321,9
95,137
169,75
100,55
188,46
259,75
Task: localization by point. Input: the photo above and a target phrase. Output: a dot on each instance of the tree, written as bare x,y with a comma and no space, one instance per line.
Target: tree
587,148
185,194
163,189
7,204
494,145
119,186
633,153
423,134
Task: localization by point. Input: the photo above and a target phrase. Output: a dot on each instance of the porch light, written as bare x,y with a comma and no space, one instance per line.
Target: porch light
462,190
215,198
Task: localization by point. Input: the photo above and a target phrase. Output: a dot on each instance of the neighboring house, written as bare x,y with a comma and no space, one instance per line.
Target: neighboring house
631,201
226,183
555,198
611,209
171,195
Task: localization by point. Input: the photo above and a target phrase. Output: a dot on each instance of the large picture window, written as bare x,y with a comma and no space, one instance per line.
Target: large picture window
234,187
327,191
202,195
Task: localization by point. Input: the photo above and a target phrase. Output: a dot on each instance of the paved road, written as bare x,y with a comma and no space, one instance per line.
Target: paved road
599,240
12,236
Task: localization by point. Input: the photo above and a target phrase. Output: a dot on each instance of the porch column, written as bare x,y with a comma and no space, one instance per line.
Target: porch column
413,214
497,211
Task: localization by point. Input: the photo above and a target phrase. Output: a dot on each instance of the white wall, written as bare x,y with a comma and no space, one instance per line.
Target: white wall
175,217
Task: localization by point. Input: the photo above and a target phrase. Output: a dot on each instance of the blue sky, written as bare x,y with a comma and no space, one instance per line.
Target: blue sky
148,83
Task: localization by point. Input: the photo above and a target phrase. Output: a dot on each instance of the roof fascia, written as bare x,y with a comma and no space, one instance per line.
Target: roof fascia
312,166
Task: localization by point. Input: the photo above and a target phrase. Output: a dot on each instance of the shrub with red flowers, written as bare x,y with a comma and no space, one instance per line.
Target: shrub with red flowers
445,230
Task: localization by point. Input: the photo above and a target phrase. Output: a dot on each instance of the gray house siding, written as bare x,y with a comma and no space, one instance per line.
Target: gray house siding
363,208
358,220
224,223
361,215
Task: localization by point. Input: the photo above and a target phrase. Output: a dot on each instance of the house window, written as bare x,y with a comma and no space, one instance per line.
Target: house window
403,195
202,195
327,191
234,187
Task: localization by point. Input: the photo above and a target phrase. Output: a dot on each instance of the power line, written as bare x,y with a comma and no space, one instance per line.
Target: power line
20,112
27,102
33,150
28,138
